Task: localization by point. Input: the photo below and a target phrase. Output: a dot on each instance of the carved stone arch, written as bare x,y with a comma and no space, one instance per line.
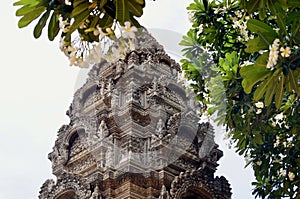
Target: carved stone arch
192,183
196,193
68,194
80,130
87,92
191,188
73,136
69,185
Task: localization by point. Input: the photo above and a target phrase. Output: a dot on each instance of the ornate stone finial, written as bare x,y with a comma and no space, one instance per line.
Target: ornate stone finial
164,194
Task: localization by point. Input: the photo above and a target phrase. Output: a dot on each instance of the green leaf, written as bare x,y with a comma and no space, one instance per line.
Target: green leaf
53,26
262,9
102,4
257,26
122,12
80,8
293,3
267,83
258,138
78,2
29,17
252,6
267,38
255,45
271,90
293,81
279,92
26,2
136,9
106,21
134,21
252,75
280,15
141,2
24,10
79,19
262,60
41,24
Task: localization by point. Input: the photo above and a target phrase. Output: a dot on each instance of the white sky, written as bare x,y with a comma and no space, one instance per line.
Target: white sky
37,86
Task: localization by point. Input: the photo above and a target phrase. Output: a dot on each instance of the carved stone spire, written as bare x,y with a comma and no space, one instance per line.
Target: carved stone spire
134,133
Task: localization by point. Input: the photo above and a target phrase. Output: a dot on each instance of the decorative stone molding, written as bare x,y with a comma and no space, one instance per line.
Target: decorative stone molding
199,180
64,183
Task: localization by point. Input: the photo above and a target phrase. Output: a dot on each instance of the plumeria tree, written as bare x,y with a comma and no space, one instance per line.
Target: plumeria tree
243,60
87,28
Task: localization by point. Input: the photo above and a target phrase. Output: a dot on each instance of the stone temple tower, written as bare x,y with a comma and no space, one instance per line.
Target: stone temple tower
134,134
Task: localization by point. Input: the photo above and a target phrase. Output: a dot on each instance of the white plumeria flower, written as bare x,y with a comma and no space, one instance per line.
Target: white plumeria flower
259,104
66,29
63,23
291,176
273,54
62,43
236,24
258,163
276,42
72,59
239,38
200,29
216,10
282,173
128,31
67,2
276,144
259,111
191,17
234,19
238,14
273,48
103,34
279,116
285,52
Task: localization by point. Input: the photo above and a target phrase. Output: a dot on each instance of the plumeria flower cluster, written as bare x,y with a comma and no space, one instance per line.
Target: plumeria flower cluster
274,53
110,46
240,24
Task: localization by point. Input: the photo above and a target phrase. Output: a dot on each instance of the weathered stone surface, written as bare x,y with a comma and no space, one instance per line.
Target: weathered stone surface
134,133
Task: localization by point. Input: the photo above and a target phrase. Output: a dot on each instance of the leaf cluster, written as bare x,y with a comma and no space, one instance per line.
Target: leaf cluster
232,39
94,14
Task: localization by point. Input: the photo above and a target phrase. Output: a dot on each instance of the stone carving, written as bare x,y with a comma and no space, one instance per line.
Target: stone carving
164,194
132,145
199,180
102,131
96,193
81,165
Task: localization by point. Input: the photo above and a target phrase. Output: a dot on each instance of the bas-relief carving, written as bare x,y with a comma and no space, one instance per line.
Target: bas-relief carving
104,144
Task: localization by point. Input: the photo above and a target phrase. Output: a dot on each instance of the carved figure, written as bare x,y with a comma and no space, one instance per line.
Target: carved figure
102,131
160,129
96,193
